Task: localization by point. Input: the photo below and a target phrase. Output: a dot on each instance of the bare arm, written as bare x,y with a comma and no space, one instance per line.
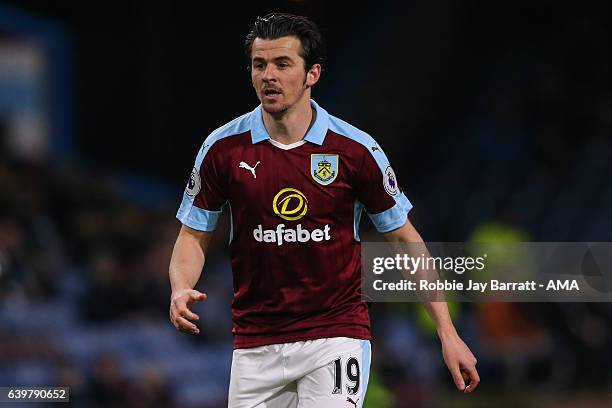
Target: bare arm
457,356
186,266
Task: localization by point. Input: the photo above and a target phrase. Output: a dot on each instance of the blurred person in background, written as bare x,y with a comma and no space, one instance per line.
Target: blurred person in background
295,181
108,386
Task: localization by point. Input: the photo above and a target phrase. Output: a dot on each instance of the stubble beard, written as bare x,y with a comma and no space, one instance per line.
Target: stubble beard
276,111
279,111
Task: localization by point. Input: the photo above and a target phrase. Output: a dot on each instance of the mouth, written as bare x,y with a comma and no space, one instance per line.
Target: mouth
271,93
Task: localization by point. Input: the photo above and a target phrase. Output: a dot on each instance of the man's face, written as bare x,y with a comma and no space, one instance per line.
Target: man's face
278,75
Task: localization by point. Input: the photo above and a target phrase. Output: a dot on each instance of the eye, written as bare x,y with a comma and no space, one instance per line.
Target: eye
283,65
258,66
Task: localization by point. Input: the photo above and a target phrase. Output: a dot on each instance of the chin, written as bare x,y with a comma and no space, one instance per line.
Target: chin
275,108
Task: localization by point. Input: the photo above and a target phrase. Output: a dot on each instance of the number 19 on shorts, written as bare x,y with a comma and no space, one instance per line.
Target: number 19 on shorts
349,371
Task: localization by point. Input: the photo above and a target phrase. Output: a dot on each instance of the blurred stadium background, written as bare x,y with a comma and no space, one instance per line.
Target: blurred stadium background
496,115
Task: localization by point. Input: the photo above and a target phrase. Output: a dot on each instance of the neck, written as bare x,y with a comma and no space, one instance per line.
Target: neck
292,125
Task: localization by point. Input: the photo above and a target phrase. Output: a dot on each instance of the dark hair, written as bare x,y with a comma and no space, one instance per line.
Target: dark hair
277,25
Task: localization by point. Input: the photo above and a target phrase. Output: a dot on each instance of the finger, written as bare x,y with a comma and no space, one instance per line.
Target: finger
188,314
466,379
474,379
185,325
457,378
182,311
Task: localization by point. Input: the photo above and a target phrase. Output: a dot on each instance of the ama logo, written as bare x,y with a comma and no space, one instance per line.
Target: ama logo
390,181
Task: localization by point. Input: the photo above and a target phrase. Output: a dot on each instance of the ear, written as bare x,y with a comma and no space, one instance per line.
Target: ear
313,75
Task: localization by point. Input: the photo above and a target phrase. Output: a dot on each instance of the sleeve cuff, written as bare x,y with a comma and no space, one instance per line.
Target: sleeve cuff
394,217
197,218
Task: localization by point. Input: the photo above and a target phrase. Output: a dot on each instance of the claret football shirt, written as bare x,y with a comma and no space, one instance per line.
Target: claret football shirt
295,212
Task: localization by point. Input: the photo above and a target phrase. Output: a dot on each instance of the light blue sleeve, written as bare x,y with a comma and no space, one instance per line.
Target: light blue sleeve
189,214
378,181
204,179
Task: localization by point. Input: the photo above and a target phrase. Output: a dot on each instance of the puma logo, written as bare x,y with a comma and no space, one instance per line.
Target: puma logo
349,399
243,165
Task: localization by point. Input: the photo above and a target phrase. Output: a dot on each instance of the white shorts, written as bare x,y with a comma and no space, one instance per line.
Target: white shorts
328,373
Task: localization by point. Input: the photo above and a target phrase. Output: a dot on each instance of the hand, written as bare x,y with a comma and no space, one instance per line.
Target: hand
180,315
460,362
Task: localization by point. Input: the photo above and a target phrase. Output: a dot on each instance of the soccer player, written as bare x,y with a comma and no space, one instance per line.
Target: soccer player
295,180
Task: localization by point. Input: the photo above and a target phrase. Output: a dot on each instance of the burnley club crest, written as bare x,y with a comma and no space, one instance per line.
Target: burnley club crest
324,168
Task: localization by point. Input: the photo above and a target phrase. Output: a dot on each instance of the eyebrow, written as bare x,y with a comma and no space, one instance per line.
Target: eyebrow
276,59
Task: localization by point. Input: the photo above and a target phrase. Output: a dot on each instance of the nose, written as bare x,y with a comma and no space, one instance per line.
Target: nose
269,74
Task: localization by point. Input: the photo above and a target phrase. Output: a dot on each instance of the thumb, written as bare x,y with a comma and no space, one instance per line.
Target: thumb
197,296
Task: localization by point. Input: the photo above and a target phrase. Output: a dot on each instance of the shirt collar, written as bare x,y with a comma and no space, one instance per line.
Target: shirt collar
316,133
